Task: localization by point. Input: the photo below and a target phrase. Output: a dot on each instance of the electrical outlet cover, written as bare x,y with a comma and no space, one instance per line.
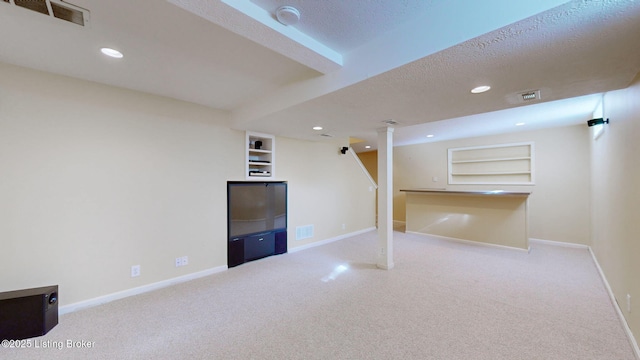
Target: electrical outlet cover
628,302
135,270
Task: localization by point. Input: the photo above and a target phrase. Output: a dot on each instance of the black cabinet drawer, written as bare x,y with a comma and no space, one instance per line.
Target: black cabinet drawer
259,246
281,242
235,252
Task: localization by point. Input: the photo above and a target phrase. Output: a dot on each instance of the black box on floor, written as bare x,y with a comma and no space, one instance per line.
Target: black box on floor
28,313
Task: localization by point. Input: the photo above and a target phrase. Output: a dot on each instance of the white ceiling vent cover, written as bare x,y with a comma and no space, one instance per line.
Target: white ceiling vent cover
531,95
58,9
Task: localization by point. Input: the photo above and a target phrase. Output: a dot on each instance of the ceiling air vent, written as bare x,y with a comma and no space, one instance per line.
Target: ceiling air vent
58,9
531,95
390,122
65,12
326,135
35,5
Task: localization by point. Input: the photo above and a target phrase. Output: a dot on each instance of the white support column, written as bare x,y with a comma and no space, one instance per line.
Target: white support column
385,198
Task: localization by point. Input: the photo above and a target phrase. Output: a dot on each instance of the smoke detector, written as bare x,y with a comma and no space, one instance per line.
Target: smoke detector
287,15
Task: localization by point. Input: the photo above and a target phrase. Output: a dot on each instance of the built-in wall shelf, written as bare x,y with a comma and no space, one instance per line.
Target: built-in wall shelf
260,156
493,173
491,160
505,164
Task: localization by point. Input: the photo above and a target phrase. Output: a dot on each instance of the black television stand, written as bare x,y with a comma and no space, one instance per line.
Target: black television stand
256,246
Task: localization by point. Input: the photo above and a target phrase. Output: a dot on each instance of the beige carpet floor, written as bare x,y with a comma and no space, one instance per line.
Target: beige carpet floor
443,300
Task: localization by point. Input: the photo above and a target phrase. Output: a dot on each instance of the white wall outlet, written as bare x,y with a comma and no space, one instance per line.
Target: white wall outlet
344,226
135,270
628,302
182,261
434,178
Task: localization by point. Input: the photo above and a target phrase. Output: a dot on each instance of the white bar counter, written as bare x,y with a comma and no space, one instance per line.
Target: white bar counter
492,217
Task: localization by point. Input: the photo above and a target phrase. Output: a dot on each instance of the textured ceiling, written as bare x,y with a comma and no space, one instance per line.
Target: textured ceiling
577,49
348,65
345,25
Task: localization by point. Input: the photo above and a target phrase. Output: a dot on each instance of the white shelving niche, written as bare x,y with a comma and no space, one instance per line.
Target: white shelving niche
506,164
260,158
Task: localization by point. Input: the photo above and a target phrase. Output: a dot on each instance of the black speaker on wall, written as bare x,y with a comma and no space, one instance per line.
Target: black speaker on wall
28,313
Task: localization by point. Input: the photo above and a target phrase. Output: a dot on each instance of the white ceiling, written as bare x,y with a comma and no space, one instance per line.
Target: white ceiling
348,65
344,25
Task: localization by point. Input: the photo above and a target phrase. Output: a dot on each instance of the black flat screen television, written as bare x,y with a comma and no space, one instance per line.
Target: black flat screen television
256,207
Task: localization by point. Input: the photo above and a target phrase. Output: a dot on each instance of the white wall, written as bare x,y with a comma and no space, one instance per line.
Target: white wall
559,203
616,199
96,179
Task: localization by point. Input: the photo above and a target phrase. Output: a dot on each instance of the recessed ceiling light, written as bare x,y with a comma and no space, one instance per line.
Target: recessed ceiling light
112,52
520,124
480,89
368,147
430,135
317,128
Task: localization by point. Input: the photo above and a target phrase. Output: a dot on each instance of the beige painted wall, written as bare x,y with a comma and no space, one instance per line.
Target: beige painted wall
616,199
559,204
491,219
96,179
327,189
370,161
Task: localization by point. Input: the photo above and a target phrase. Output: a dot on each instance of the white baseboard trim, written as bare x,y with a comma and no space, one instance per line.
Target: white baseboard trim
614,302
470,242
137,290
330,240
173,281
559,243
398,223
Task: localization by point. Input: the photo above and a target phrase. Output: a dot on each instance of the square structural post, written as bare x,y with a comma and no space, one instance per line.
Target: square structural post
385,198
